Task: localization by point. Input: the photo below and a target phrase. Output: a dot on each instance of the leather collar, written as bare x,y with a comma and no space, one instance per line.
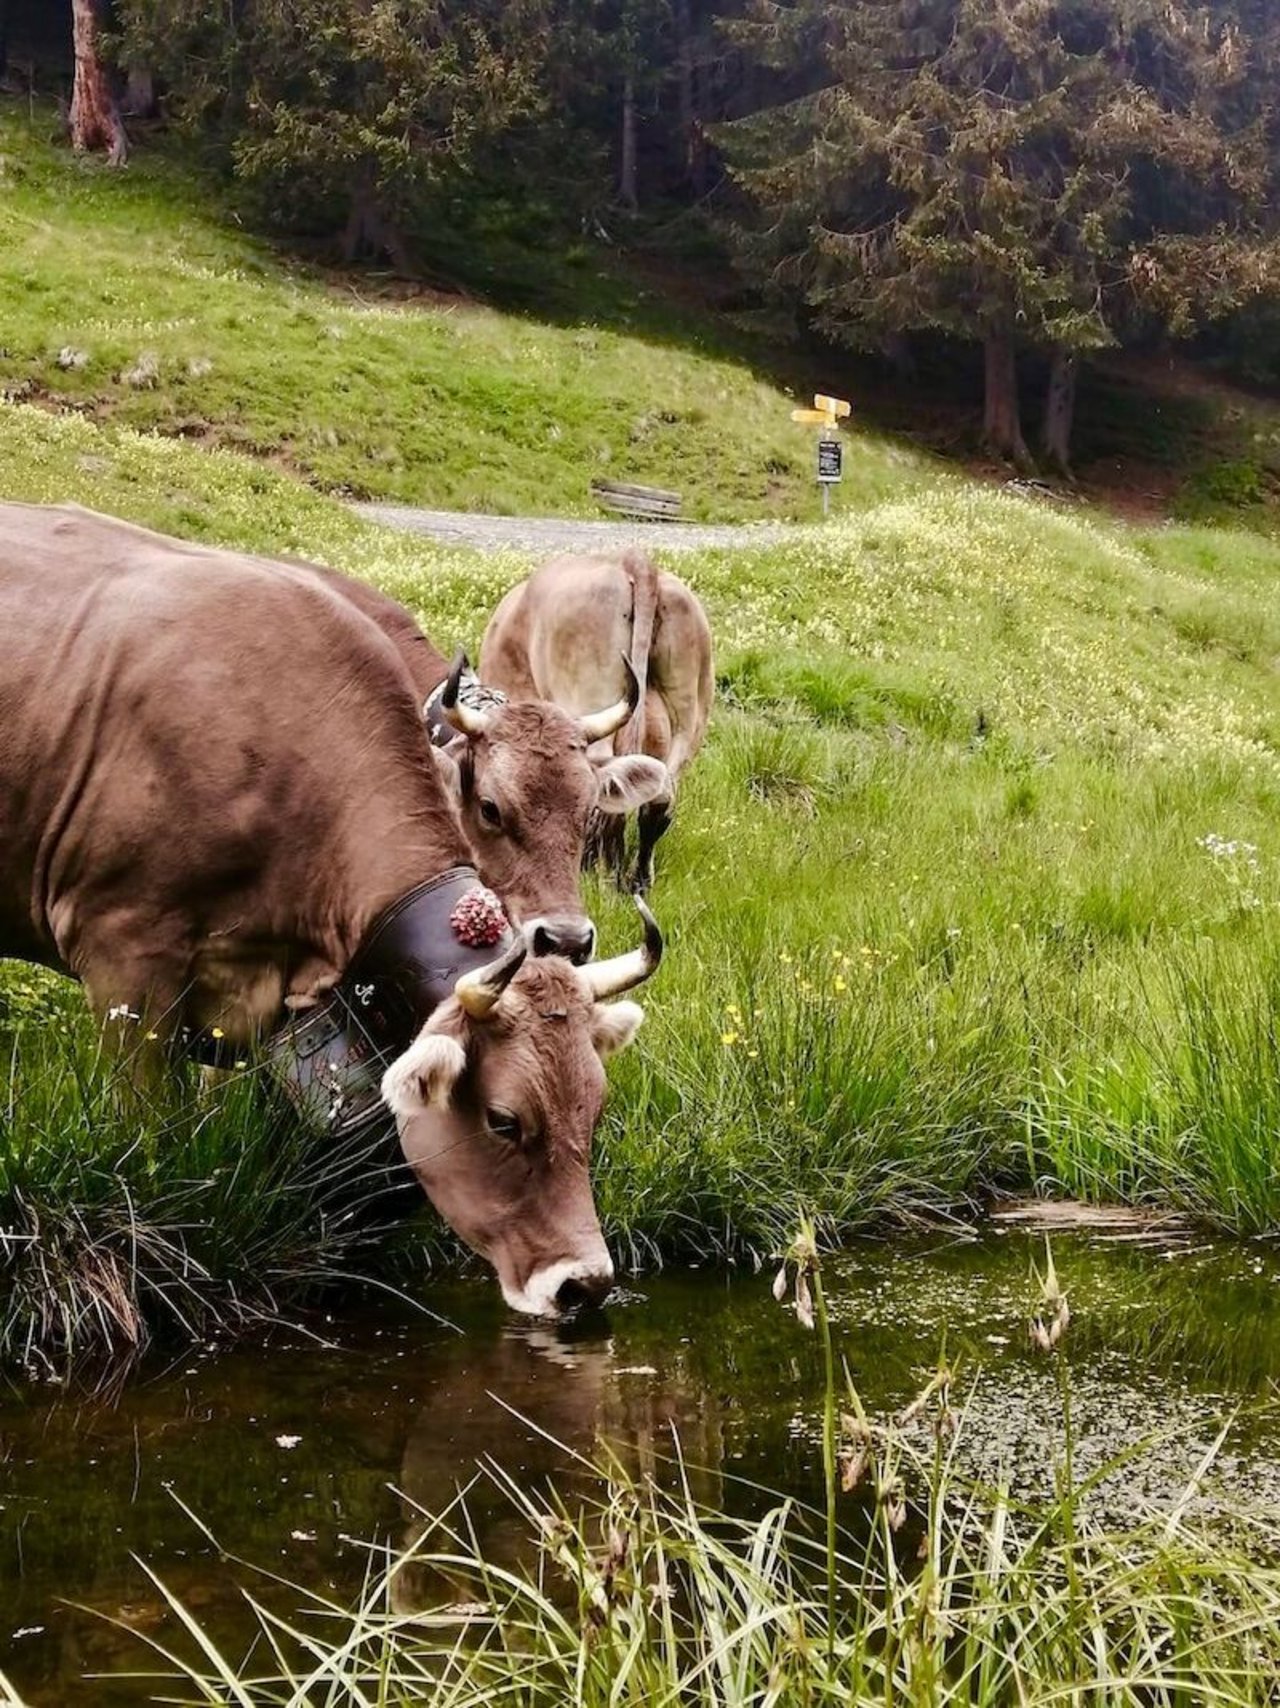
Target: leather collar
330,1060
413,956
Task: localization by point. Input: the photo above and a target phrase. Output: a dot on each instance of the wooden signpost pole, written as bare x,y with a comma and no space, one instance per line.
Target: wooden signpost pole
826,414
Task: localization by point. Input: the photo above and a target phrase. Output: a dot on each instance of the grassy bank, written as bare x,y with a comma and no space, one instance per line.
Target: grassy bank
975,884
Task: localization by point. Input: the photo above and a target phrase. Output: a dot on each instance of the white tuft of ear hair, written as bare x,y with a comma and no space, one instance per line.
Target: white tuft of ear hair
425,1074
631,781
614,1025
447,768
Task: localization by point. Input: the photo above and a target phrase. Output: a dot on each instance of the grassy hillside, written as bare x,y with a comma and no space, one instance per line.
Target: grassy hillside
975,885
135,298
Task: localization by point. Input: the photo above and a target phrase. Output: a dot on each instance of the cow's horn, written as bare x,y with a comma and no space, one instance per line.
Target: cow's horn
478,991
624,972
462,717
597,725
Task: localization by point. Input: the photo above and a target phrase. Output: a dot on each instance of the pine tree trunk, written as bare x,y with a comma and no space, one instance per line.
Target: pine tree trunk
368,233
94,118
627,173
1001,422
684,87
896,349
1059,410
139,92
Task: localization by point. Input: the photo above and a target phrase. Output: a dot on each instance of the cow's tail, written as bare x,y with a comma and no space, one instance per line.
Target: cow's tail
641,571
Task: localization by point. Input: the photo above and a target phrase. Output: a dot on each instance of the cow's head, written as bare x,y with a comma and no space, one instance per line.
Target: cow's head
497,1100
527,783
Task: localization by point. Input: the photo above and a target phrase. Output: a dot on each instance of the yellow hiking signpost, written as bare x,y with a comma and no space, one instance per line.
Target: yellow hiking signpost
827,413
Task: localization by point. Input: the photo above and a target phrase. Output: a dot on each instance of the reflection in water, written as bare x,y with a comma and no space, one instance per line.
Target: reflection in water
300,1456
540,1404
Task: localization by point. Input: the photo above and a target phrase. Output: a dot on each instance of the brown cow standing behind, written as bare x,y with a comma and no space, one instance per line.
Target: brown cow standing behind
567,634
215,788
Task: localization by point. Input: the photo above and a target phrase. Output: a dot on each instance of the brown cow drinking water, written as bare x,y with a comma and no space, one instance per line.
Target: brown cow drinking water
575,630
498,1099
217,797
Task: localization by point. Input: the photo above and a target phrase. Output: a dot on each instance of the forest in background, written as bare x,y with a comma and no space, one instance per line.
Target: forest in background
1036,183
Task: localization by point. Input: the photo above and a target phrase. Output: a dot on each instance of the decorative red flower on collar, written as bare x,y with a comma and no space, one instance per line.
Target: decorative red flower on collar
479,920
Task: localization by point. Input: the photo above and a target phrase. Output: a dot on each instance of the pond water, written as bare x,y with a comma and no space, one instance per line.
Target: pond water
298,1453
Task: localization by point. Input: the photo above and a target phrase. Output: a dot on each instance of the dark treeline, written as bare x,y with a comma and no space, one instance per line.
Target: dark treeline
1042,178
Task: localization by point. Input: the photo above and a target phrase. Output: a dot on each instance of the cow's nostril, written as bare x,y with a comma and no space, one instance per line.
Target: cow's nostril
580,1291
543,942
585,947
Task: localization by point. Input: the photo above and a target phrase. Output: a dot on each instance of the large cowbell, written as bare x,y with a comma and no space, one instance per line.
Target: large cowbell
330,1061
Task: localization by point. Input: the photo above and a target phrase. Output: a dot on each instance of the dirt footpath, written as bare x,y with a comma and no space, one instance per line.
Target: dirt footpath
543,535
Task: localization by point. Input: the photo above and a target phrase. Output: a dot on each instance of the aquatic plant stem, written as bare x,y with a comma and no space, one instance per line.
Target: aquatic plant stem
828,1446
1067,1478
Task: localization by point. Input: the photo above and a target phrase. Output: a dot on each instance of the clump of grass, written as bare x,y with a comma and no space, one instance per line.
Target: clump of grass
845,693
928,1591
779,763
124,1220
1182,1106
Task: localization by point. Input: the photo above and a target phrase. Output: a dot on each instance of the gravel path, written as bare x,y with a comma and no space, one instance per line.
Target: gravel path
545,534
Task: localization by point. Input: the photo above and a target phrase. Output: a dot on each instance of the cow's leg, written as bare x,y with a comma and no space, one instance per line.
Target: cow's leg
606,844
615,845
654,822
137,998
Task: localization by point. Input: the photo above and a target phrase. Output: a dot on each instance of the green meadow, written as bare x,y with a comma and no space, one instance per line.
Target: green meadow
138,299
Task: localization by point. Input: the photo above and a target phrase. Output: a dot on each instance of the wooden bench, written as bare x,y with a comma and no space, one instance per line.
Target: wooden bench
649,502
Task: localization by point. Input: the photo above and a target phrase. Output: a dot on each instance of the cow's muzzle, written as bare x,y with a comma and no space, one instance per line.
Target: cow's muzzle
570,935
563,1288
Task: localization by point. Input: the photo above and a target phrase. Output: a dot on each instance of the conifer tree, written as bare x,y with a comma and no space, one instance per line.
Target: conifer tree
350,107
1024,173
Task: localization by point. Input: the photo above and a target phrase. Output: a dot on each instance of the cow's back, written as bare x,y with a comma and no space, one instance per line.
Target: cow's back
562,635
194,731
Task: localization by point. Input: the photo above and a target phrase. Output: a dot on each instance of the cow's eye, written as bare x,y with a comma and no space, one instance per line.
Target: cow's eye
490,814
504,1124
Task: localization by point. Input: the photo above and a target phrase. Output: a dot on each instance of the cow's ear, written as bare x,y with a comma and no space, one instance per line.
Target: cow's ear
446,763
425,1074
613,1026
630,781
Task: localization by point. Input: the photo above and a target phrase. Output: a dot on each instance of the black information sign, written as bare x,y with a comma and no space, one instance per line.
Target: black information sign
830,454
